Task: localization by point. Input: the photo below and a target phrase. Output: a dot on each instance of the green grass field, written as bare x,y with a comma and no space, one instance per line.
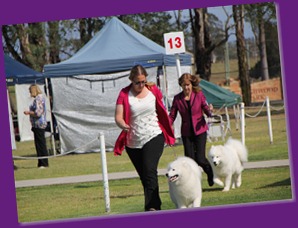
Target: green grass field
126,196
257,141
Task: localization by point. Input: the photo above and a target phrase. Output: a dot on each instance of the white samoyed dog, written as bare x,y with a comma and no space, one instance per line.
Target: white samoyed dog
184,179
227,163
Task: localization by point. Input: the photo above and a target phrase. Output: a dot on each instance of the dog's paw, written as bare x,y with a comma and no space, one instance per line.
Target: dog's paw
226,189
218,182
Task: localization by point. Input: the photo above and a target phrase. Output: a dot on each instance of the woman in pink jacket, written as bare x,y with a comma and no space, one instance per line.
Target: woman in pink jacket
146,127
191,104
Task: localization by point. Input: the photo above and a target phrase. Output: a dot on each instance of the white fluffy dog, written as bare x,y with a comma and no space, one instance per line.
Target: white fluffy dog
184,179
227,163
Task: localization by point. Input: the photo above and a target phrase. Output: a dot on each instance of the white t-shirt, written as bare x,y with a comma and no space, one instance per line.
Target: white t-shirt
143,120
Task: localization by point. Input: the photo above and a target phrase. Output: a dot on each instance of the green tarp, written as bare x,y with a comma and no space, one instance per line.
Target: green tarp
218,96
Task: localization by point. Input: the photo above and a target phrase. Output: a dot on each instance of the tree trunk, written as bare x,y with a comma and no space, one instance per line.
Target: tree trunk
37,45
24,45
241,53
202,44
264,62
54,40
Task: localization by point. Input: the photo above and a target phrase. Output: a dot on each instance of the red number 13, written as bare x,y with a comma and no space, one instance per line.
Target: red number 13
177,43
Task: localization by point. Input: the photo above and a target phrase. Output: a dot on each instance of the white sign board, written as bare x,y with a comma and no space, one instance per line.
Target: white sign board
174,42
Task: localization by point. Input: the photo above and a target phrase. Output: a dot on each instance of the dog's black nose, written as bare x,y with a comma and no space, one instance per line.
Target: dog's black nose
167,175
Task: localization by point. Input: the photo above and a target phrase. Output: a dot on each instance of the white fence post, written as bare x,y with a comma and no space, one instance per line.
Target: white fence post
269,119
242,119
104,172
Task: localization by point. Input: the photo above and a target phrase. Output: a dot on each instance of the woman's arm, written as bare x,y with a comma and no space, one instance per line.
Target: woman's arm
119,118
173,111
207,109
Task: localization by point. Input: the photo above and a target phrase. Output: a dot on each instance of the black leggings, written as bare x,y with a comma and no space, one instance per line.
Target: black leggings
145,160
40,146
195,148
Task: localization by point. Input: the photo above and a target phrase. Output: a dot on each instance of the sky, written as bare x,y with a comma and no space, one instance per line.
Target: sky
219,12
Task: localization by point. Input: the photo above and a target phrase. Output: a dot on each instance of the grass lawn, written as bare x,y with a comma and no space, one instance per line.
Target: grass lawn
126,196
257,141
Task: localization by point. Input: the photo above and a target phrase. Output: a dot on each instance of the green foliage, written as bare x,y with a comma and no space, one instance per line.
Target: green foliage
152,25
273,56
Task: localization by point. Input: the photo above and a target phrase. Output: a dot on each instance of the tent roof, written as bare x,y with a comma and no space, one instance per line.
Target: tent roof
116,47
18,73
218,96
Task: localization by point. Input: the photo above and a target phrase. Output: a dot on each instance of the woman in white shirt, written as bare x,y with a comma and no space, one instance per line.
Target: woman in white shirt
145,126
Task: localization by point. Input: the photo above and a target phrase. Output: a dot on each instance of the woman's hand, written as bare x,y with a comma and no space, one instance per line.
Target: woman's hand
125,127
211,107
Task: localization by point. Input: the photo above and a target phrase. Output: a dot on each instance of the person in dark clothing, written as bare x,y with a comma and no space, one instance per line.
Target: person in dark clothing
191,104
37,113
146,127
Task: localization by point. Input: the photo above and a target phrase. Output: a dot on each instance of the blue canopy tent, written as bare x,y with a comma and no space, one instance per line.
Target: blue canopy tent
85,86
18,73
116,47
20,76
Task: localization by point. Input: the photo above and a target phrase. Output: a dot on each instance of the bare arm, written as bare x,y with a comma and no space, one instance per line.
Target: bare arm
119,118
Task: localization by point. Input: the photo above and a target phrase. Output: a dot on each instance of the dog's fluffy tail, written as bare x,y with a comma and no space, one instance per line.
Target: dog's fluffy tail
240,148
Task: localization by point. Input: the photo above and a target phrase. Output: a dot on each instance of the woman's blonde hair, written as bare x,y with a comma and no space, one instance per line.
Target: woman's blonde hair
139,70
35,90
194,80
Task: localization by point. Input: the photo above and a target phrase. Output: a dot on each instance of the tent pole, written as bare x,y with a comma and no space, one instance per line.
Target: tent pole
242,118
12,134
228,119
178,65
51,119
165,87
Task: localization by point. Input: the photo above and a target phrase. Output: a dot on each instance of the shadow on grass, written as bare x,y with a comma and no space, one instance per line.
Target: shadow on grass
286,182
23,167
212,189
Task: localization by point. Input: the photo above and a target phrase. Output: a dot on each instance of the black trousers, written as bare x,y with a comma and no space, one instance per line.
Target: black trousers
40,146
145,160
195,148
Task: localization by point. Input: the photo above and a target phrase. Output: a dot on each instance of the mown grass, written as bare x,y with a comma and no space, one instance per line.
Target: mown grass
257,141
126,196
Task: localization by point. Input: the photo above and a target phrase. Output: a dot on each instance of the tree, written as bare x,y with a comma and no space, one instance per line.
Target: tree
238,14
259,15
54,42
204,43
27,43
37,44
152,25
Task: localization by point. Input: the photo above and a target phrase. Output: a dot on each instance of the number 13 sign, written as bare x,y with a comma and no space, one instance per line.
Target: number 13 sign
174,42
